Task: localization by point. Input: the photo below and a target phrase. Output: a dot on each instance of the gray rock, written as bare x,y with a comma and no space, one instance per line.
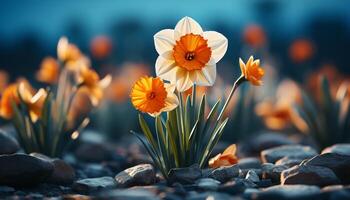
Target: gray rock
63,174
8,144
187,175
96,170
288,192
23,170
224,174
208,195
342,149
128,194
232,187
249,163
290,162
273,172
207,184
252,176
290,151
340,164
309,175
91,152
143,174
91,185
5,190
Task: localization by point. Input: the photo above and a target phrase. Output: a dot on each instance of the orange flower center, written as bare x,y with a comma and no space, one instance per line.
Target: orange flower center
191,52
148,95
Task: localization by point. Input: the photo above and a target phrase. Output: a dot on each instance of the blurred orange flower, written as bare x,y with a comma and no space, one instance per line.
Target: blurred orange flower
252,70
254,36
227,158
66,51
101,47
81,106
301,50
279,114
34,100
89,81
4,79
49,71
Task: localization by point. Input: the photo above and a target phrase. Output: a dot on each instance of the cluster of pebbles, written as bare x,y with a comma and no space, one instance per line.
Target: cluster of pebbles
99,171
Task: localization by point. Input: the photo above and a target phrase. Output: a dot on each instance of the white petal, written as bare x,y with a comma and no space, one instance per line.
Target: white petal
164,40
171,102
218,44
166,69
184,81
104,83
185,26
168,55
206,76
170,88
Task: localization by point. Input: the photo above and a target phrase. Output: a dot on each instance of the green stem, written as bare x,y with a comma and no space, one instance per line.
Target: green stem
234,87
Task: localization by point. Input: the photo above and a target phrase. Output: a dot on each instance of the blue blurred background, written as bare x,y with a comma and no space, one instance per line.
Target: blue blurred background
29,30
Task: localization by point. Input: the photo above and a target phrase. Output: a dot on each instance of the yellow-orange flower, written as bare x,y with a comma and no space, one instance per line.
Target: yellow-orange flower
66,51
153,96
227,158
49,71
188,55
252,70
34,101
89,81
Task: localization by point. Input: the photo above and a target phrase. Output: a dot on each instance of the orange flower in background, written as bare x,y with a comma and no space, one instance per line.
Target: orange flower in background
227,158
81,106
49,71
301,50
252,70
4,79
89,81
254,36
66,51
118,90
153,96
34,100
279,114
101,47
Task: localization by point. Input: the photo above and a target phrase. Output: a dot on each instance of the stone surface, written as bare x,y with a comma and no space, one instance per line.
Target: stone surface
90,152
340,164
342,149
226,173
207,184
91,185
249,163
63,174
187,175
309,175
96,170
5,190
232,187
288,192
209,196
290,151
143,174
8,145
273,172
23,170
252,176
290,162
128,194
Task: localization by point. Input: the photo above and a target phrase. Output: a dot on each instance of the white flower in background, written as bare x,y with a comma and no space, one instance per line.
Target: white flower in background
187,55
